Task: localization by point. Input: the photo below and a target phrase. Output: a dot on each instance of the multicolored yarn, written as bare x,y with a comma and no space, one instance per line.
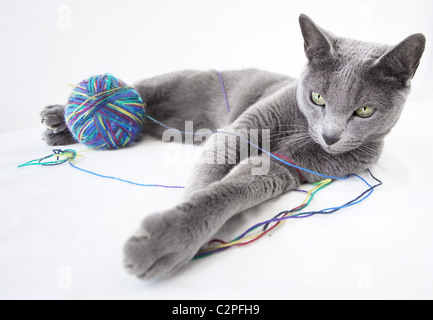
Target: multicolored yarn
295,213
244,239
61,156
103,112
291,162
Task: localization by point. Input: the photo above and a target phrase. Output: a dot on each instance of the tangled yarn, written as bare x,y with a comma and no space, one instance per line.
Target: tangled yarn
103,112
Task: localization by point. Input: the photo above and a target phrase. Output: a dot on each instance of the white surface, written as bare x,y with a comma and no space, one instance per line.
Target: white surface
62,231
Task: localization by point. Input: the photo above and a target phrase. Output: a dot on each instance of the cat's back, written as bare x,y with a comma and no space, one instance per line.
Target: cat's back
201,95
254,82
248,86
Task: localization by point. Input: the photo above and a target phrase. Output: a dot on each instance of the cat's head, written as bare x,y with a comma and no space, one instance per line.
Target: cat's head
353,92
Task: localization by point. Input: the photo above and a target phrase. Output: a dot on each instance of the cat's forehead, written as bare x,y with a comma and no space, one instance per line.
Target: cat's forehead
352,58
352,62
353,51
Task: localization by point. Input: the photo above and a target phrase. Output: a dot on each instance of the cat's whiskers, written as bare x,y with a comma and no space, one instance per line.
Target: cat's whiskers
285,137
296,142
301,146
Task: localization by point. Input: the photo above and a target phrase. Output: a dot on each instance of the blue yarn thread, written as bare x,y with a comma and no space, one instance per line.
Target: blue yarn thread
127,181
369,190
252,144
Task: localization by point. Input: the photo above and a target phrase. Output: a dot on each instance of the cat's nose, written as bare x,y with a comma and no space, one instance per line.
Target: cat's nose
330,139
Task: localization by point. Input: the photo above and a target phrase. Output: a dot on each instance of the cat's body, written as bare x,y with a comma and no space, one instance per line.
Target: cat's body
257,100
362,87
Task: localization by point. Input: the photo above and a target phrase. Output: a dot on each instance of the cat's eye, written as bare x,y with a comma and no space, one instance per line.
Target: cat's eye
318,99
364,112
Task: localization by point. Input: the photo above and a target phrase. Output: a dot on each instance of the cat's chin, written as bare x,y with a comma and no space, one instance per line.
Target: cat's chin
337,148
332,150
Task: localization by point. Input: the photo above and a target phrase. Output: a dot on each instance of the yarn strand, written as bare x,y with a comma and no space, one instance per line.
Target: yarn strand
290,214
123,180
255,146
69,155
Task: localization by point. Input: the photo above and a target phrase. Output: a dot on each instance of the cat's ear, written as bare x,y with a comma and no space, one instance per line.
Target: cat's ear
402,61
317,42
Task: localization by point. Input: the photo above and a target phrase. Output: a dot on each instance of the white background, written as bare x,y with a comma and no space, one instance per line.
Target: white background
46,45
61,232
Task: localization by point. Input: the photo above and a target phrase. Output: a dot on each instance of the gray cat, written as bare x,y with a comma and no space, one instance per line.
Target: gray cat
332,120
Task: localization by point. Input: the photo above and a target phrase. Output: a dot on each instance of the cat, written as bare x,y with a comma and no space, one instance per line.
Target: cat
332,120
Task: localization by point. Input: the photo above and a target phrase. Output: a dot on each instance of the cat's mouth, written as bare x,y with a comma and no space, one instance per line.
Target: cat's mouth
339,146
338,149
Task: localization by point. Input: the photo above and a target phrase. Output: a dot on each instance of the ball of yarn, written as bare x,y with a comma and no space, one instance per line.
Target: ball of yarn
103,112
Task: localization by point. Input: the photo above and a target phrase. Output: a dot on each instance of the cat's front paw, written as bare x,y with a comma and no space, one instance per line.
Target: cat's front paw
56,133
163,243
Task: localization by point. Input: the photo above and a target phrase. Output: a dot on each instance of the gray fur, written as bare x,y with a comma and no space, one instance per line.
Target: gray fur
331,140
56,132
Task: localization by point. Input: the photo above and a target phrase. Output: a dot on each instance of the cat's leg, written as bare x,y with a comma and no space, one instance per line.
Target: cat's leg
167,240
227,148
56,133
217,159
